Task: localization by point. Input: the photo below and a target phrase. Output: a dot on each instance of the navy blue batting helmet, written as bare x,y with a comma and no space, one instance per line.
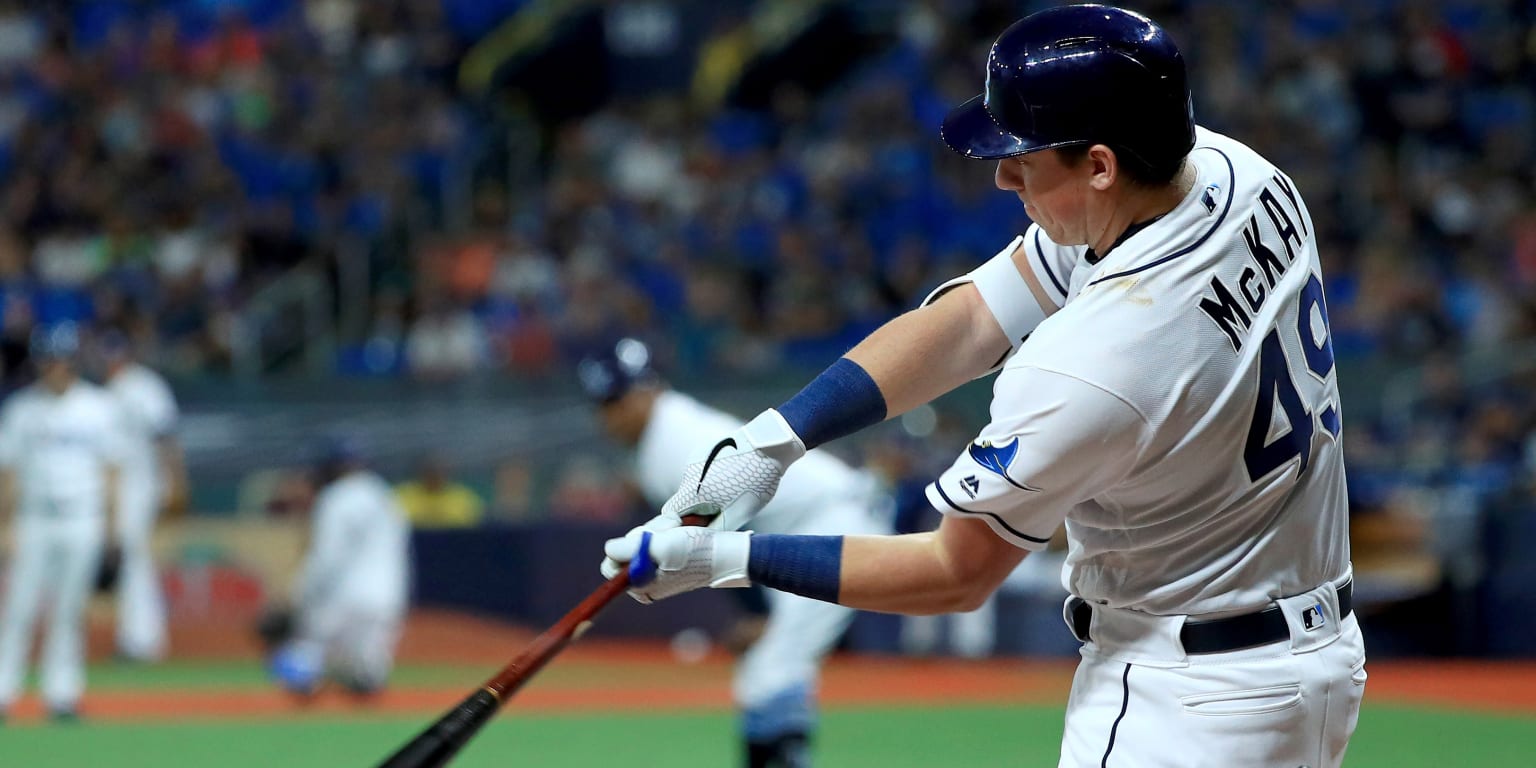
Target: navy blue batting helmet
608,377
1080,74
332,449
61,341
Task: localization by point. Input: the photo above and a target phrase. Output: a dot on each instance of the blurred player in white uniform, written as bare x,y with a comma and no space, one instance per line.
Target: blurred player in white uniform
153,478
776,679
58,478
354,589
1167,390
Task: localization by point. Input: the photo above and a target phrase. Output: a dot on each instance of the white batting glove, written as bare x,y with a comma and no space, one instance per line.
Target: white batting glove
740,474
657,524
677,560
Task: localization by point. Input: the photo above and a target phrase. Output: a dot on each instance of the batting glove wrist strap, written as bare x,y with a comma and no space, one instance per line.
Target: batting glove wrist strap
678,560
771,434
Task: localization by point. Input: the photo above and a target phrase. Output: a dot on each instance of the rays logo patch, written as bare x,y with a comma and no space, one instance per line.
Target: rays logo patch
998,458
994,457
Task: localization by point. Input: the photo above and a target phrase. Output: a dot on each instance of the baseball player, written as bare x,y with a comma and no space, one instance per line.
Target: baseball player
1167,389
58,473
353,590
775,682
153,478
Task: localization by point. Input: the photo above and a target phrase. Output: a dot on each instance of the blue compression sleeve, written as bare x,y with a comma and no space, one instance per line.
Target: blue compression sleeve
811,566
840,401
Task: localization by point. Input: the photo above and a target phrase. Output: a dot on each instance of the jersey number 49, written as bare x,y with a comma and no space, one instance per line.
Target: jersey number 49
1277,385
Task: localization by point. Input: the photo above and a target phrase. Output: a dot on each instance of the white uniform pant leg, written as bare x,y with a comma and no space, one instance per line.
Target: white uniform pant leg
775,682
27,580
356,642
920,634
140,600
77,546
1260,707
973,634
365,650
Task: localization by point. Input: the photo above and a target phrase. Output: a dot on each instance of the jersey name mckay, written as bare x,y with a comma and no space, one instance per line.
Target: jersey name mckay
1255,282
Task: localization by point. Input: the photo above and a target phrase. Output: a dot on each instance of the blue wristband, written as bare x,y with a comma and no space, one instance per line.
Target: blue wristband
811,566
840,401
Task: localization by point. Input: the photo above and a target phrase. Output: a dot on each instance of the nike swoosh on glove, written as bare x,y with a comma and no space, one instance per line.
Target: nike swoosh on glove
740,475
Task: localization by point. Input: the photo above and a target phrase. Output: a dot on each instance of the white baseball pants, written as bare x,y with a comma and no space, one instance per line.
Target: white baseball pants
972,634
141,632
54,562
1138,701
355,642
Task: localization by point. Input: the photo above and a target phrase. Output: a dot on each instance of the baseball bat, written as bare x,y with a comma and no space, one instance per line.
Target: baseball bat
436,745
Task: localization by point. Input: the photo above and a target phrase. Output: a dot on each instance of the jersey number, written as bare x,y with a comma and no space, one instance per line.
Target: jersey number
1277,386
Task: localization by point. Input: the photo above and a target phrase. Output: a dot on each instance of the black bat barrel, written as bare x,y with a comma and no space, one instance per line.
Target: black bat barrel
438,744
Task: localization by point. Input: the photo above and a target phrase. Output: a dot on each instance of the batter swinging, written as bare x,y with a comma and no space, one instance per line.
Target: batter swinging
1167,390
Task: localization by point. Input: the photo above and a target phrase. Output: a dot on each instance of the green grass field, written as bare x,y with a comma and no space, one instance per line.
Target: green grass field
1389,736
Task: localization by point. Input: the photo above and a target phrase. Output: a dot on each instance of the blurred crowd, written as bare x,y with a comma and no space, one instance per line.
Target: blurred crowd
165,163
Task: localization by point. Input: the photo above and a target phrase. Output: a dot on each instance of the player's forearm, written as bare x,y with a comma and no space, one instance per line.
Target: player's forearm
929,351
952,569
902,574
906,362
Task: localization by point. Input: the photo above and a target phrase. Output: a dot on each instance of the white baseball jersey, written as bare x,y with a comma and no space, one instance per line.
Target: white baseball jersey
148,413
1178,407
359,556
813,496
60,446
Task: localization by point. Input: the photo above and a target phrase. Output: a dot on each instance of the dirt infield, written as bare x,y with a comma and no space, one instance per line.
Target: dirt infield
631,676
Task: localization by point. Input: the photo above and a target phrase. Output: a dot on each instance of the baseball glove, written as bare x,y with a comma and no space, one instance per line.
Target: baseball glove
274,628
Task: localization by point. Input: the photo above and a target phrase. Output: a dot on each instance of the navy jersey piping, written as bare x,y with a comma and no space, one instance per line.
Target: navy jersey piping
1231,192
1000,521
1048,271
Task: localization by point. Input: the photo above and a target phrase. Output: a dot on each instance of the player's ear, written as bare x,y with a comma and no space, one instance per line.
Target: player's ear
1104,167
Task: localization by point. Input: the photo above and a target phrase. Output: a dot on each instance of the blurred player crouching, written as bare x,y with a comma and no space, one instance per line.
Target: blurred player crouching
353,591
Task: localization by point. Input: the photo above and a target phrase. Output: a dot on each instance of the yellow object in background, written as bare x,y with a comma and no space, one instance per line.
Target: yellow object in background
449,505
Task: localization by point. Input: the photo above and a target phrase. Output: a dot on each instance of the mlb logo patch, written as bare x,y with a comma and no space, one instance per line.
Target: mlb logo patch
1312,617
1209,198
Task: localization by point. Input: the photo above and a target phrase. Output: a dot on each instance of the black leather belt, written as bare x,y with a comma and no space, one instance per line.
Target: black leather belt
1232,633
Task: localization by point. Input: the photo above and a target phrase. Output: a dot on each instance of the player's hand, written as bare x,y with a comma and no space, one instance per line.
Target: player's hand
739,475
677,560
611,567
727,487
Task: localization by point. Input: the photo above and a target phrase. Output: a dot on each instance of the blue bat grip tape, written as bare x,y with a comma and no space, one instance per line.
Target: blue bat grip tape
642,569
